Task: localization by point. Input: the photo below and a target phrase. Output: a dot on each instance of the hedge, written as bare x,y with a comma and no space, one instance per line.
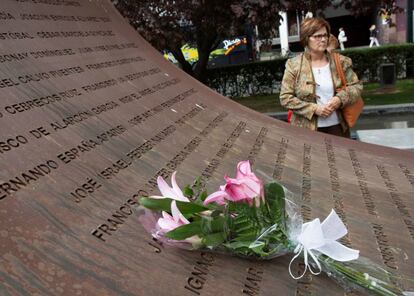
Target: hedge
265,77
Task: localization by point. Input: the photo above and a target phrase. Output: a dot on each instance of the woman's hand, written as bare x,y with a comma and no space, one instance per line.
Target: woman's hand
324,110
334,103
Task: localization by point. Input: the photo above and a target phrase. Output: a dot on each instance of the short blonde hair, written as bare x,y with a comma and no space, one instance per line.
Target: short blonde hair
309,26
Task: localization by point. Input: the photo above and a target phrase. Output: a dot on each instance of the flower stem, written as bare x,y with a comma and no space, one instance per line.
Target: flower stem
376,286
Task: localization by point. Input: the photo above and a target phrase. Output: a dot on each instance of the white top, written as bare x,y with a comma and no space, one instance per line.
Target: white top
325,91
342,36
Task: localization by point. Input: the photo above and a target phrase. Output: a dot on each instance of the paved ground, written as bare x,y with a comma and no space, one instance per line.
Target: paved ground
377,109
396,138
401,138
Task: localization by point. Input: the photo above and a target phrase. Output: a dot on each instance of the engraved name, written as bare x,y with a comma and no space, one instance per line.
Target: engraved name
335,187
36,77
113,63
12,143
86,189
171,166
118,217
42,101
72,34
198,277
257,145
401,206
280,159
61,18
167,104
306,181
45,53
90,144
111,82
214,163
380,236
52,2
382,242
363,186
407,174
27,178
252,281
83,115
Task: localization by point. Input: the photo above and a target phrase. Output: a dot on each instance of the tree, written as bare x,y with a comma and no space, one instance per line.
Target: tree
169,24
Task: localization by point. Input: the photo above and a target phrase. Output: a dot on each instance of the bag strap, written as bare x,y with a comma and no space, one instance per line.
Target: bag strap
339,70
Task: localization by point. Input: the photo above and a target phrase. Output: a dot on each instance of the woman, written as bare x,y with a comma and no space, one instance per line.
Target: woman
310,82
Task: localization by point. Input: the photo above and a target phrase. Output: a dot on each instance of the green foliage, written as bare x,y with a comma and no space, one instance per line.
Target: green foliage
259,231
367,61
188,191
276,201
214,240
210,229
265,77
243,229
247,79
164,204
373,94
185,231
199,192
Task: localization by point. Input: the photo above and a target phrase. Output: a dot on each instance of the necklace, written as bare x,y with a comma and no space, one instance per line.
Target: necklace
320,69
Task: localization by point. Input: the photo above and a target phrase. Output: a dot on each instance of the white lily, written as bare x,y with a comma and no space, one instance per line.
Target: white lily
168,222
173,192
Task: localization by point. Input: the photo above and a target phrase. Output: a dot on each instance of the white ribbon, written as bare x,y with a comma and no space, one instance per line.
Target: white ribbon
322,238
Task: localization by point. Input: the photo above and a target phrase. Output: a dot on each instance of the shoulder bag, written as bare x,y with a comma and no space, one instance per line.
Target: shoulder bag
349,112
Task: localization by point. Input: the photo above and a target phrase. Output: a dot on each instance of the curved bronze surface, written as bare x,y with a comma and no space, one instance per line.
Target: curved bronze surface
90,114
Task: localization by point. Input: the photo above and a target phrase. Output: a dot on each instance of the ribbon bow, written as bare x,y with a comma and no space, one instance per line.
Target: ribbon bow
322,238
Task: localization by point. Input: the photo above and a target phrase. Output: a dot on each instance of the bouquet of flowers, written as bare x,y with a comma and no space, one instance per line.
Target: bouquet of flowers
251,219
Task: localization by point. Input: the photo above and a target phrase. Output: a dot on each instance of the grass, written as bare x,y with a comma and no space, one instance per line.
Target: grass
373,94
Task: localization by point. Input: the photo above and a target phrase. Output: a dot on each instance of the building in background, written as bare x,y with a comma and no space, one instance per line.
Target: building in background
393,28
229,52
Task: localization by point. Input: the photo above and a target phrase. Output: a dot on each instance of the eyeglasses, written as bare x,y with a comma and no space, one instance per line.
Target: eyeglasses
320,36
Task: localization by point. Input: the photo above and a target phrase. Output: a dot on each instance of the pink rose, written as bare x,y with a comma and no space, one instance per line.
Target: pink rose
246,187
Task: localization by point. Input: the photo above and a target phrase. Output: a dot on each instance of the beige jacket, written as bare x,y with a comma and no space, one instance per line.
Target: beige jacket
298,89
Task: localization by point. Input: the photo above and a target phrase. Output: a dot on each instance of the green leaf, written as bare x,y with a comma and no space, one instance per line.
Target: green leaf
211,225
156,204
188,192
203,195
274,192
243,229
164,204
185,231
257,247
203,228
214,239
275,197
238,245
197,186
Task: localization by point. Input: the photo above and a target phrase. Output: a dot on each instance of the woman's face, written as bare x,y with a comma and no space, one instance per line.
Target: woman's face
318,42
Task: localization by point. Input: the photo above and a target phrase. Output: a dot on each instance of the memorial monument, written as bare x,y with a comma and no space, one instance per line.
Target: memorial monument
91,114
